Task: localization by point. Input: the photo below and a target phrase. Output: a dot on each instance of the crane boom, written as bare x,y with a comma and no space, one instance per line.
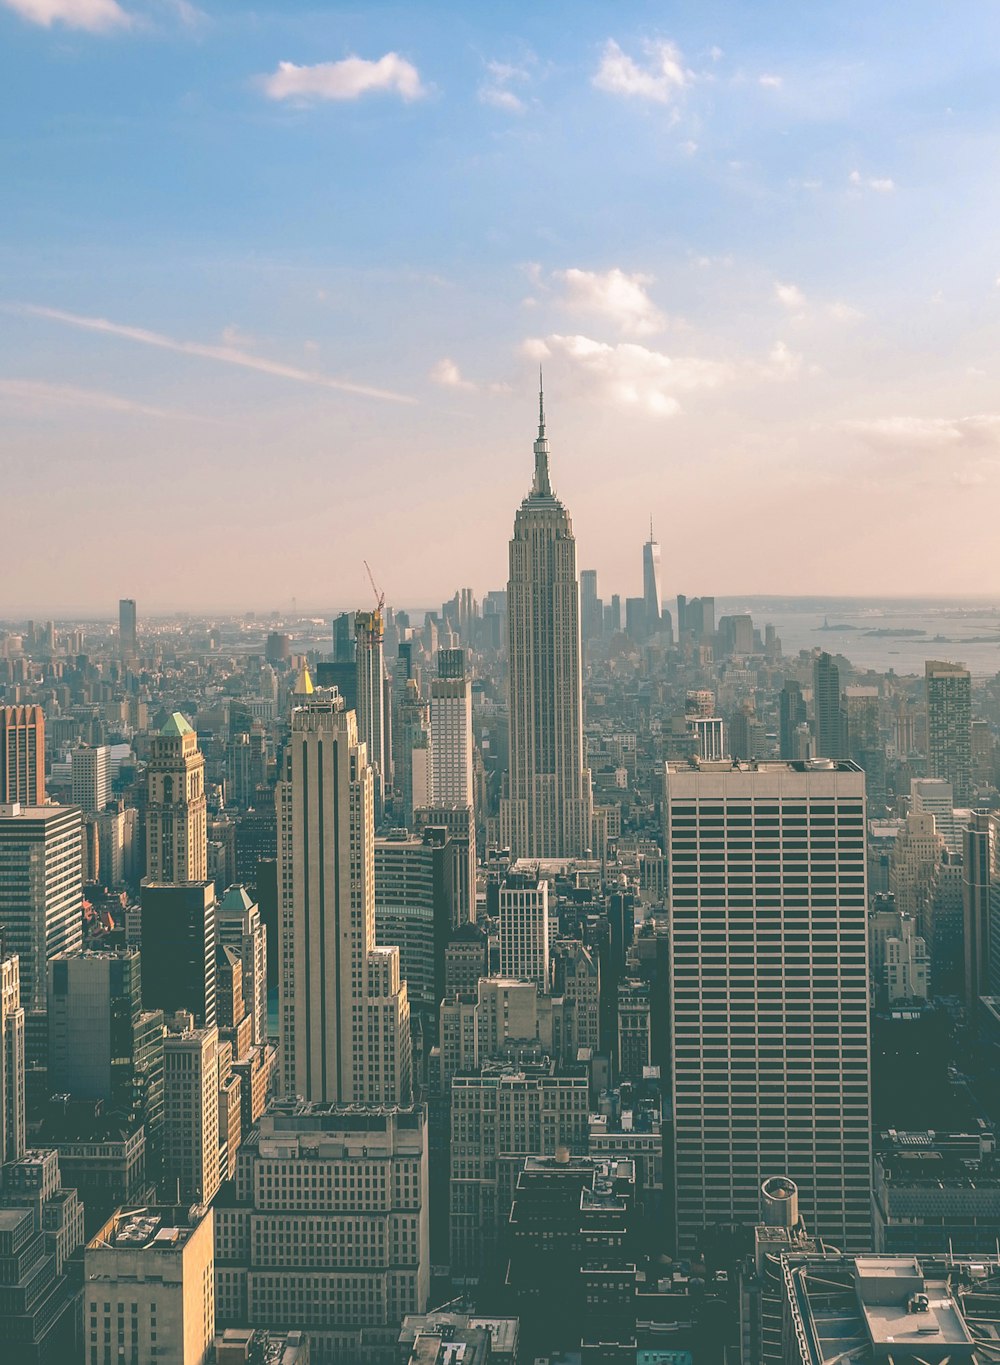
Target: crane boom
379,596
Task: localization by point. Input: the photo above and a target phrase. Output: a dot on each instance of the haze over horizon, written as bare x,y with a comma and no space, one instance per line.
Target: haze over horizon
277,282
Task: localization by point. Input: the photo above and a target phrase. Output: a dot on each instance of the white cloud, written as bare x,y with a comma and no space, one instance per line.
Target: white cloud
496,89
227,355
615,295
661,78
880,184
346,80
40,396
843,312
447,373
634,376
770,82
979,431
235,336
789,296
93,15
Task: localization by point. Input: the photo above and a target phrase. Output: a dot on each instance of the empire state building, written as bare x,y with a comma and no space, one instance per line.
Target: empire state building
547,808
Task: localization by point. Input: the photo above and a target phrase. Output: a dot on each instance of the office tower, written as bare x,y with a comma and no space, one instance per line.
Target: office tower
682,623
349,1184
635,619
41,1227
176,833
149,1290
831,722
102,1046
460,823
949,726
613,615
768,933
451,729
466,960
709,736
907,968
414,908
178,949
651,593
191,1161
12,1131
22,755
699,616
503,1018
127,644
344,639
634,1031
736,634
499,1115
913,866
791,714
277,647
370,668
524,929
547,810
413,760
344,1012
91,776
241,928
577,977
591,607
934,796
39,902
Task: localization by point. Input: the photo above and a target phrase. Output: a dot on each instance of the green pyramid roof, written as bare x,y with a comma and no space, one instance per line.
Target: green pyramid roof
177,725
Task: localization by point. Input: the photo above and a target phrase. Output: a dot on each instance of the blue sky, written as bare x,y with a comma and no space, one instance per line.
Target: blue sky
275,283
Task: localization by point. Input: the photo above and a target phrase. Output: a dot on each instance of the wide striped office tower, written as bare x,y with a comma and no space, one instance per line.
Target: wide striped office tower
22,755
547,808
344,1011
769,992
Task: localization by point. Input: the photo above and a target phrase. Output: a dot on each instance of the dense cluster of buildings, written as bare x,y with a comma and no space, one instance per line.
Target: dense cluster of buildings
544,978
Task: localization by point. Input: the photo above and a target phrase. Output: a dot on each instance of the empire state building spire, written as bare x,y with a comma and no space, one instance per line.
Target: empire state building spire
547,806
541,488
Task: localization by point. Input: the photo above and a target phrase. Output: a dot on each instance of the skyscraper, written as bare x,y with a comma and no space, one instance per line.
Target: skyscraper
126,628
547,810
949,726
22,755
176,837
831,722
451,731
370,665
90,768
769,992
791,714
344,1012
12,1129
652,598
524,929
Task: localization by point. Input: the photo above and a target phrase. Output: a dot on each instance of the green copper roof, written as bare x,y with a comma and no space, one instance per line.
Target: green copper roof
177,725
236,898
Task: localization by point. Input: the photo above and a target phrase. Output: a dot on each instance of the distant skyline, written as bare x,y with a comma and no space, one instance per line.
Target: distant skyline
276,279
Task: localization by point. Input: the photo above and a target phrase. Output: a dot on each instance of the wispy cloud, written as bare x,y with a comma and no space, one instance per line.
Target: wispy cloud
881,184
345,80
613,294
770,81
95,16
790,296
497,90
38,395
978,431
227,355
660,78
637,377
447,373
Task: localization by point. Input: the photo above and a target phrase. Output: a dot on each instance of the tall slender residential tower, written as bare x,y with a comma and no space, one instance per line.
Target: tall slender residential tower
547,809
176,838
651,582
949,726
370,634
343,1009
126,628
22,755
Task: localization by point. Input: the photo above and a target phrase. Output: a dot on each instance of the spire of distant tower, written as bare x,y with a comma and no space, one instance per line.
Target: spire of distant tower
541,486
651,529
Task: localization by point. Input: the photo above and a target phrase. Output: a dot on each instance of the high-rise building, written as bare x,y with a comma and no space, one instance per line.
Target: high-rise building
591,606
651,593
176,832
90,767
831,721
935,796
547,810
524,929
39,902
328,1212
149,1277
22,755
191,1118
344,642
370,664
178,949
127,628
460,823
343,1009
102,1046
12,1130
949,726
413,761
451,731
241,928
769,992
414,908
980,874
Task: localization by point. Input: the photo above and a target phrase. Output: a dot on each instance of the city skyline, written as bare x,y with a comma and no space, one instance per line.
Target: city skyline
723,236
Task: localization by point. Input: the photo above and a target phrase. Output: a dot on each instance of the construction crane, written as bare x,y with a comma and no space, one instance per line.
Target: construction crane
379,596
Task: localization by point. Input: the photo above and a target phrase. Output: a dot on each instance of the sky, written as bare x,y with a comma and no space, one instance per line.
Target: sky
276,280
